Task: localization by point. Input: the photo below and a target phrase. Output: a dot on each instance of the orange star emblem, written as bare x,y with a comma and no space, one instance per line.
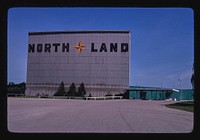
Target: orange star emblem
79,47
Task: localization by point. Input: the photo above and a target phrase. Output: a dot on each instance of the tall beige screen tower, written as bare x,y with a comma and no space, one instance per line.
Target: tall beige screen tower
99,59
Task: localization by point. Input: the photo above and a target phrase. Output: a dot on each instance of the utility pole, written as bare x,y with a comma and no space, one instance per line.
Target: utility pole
179,80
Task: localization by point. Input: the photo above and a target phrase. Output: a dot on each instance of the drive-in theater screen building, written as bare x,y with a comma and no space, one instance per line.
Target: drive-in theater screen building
99,59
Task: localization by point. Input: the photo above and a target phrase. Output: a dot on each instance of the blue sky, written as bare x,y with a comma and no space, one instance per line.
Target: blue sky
162,39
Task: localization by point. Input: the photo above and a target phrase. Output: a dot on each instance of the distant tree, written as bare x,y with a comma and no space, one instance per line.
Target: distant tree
16,88
11,83
83,89
72,90
61,90
22,88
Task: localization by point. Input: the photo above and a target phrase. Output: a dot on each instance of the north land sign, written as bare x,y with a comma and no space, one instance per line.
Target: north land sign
65,47
99,59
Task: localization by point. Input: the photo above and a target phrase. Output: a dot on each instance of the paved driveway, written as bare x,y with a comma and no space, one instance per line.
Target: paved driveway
100,116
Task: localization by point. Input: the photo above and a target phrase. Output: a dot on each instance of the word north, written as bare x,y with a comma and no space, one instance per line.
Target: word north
65,47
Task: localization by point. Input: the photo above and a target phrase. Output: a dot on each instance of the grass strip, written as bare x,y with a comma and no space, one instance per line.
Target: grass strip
186,106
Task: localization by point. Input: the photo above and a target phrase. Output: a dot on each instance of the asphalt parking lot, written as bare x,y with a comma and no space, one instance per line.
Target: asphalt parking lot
96,116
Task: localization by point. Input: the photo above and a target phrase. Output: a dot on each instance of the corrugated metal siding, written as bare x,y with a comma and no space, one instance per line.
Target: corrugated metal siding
91,68
187,94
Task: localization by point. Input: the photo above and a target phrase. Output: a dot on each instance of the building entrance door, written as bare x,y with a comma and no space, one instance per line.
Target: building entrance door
143,95
168,95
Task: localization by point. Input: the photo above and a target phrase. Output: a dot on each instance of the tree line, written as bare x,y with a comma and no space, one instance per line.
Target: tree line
16,88
72,90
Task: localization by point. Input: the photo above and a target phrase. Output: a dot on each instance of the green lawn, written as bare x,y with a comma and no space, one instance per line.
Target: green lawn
187,106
